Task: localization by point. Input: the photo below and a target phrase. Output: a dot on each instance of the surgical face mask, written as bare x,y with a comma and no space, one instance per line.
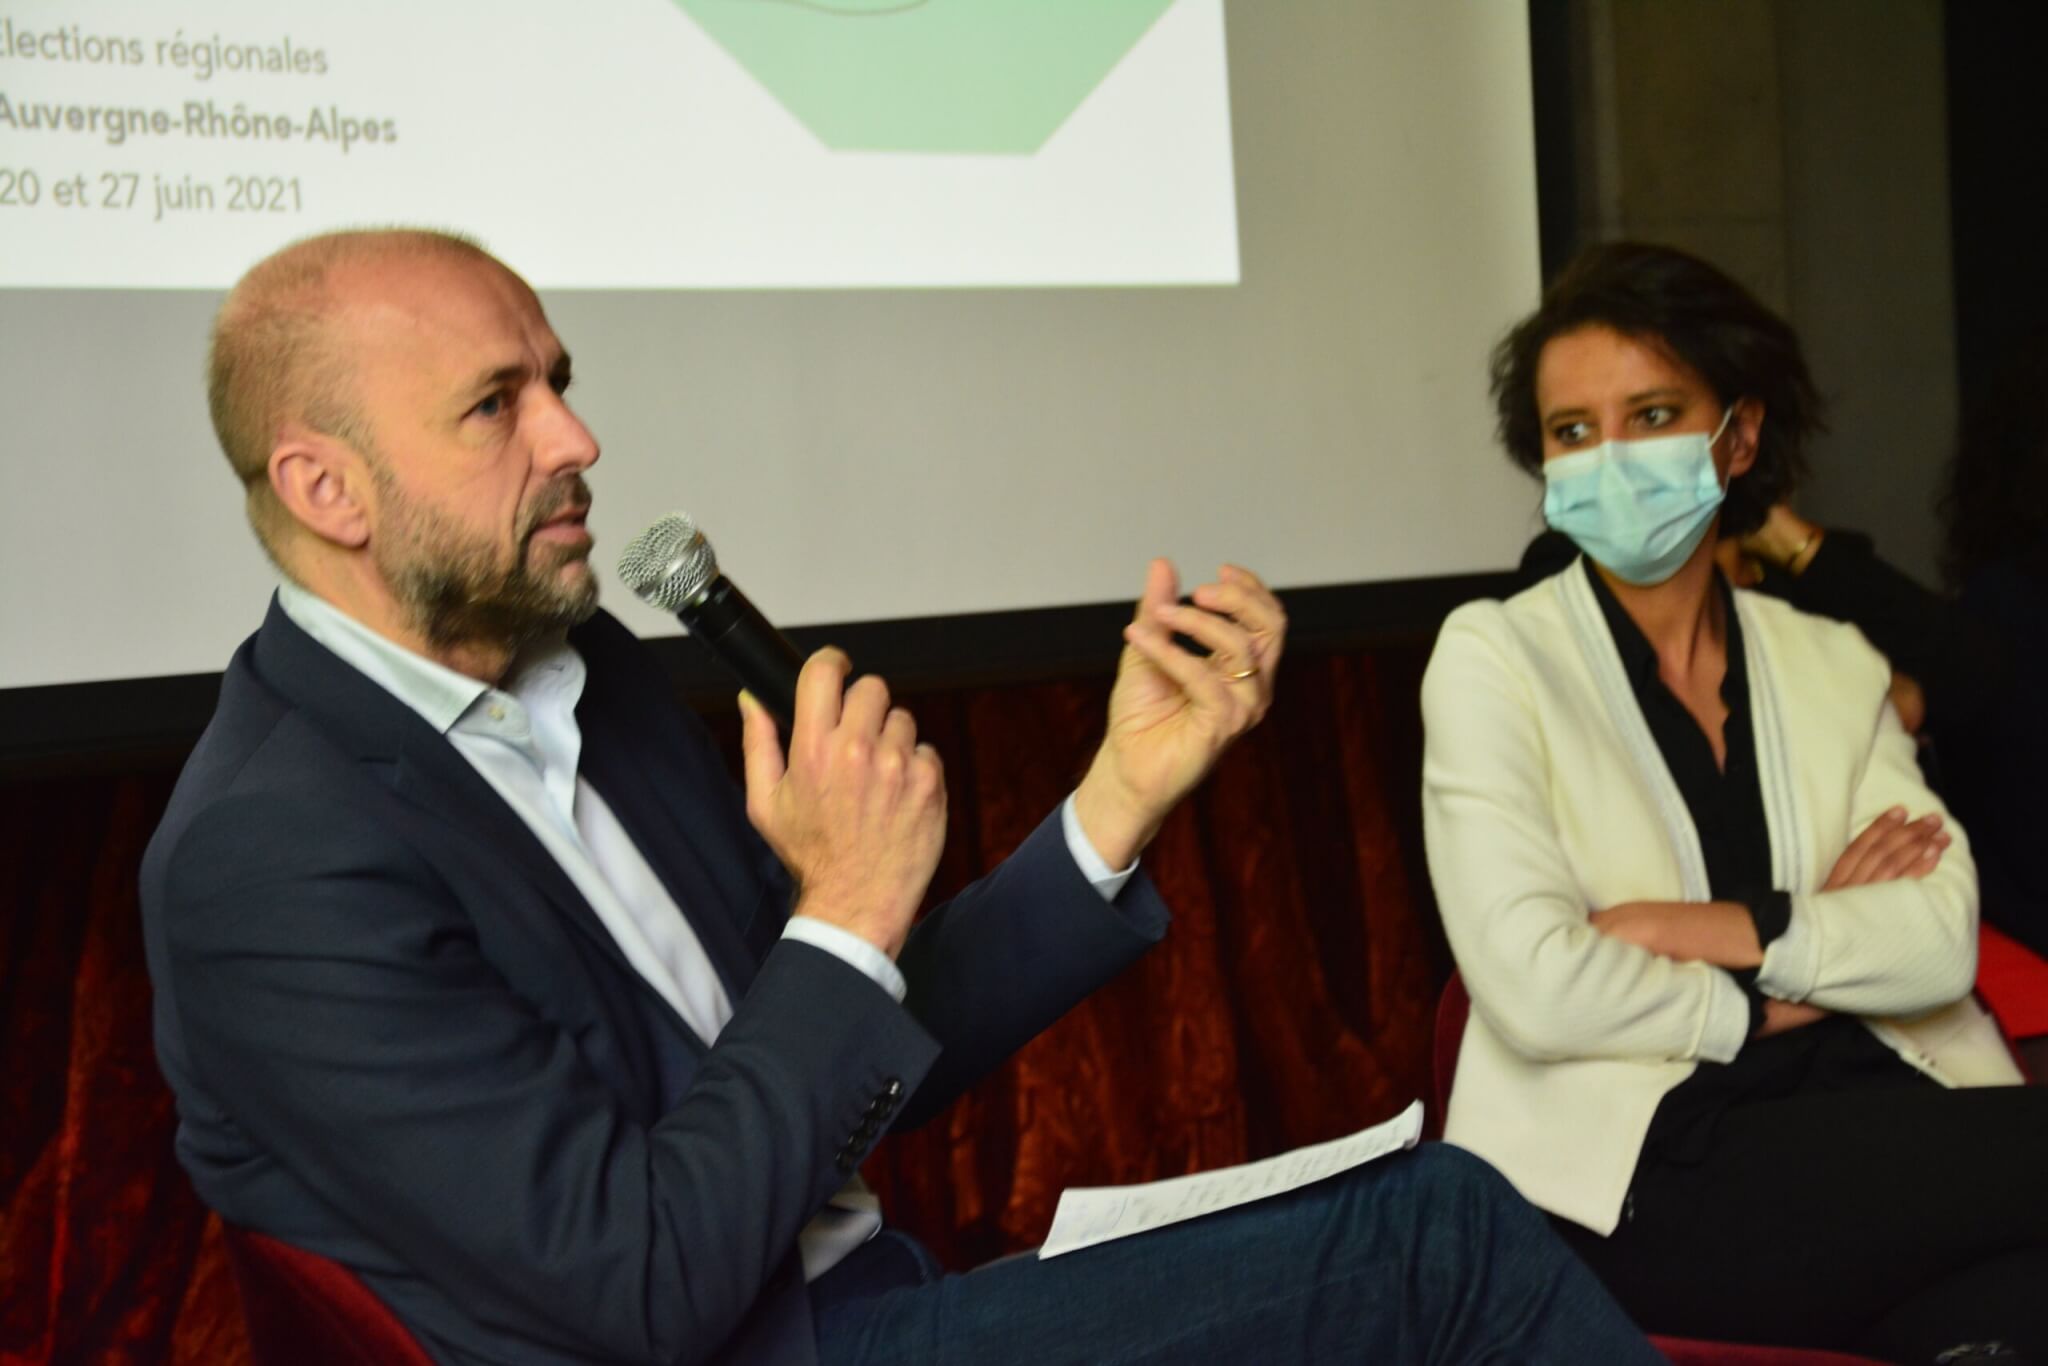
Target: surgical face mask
1637,508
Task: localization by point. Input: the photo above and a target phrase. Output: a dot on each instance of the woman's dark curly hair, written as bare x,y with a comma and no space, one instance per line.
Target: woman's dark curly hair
1995,508
1694,314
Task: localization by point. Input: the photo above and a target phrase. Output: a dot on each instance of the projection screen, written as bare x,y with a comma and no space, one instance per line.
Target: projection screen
920,307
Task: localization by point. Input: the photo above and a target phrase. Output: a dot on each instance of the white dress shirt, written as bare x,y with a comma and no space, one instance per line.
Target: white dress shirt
522,738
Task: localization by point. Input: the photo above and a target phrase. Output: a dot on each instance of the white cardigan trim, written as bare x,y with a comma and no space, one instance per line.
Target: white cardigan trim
1603,657
1773,755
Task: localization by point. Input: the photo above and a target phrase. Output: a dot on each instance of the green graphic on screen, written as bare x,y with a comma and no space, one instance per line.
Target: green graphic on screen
987,76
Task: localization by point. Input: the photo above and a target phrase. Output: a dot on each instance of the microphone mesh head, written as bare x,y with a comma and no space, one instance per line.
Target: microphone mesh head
669,563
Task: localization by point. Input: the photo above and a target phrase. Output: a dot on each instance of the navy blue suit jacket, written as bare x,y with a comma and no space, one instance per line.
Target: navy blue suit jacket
399,1037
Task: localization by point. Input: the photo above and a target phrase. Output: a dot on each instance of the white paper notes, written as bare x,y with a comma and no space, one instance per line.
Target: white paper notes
1100,1214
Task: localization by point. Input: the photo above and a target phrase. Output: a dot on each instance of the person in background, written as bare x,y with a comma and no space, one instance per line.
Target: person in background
1717,932
1838,574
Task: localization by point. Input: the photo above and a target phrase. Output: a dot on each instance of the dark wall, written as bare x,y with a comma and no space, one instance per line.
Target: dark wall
1998,172
1555,73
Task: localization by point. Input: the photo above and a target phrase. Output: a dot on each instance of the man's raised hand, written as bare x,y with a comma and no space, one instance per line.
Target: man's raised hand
1172,712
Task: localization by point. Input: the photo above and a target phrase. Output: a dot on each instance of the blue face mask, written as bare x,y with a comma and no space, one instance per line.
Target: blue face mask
1637,508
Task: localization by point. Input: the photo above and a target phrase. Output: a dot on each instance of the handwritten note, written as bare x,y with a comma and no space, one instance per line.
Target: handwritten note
1089,1215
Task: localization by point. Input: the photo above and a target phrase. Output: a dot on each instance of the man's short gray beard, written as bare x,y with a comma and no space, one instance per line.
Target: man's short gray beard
453,591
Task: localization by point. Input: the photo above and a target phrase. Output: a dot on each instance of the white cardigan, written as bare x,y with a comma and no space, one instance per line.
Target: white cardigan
1545,796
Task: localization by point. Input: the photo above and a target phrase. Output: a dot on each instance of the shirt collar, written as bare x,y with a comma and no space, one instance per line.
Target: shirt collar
438,693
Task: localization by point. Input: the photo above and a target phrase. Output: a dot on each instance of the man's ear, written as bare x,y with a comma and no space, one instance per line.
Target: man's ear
1745,428
325,484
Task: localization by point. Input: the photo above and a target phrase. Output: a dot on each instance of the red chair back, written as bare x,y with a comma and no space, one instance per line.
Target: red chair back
1686,1352
2013,980
305,1310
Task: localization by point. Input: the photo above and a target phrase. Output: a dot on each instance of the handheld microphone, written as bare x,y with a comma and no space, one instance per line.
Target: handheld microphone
671,566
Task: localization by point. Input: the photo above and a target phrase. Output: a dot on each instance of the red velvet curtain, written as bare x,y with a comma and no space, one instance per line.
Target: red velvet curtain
105,1254
1291,1002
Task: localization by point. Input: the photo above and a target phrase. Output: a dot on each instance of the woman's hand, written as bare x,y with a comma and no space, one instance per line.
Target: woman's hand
1910,701
1785,540
1780,1016
1892,848
1717,932
1723,932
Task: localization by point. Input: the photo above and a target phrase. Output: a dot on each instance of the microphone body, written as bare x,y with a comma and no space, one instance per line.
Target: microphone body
741,639
671,566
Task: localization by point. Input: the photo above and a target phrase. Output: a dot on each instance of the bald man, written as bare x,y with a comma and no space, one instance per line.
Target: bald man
475,975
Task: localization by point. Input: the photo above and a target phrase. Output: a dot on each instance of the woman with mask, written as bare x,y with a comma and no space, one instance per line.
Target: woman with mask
1718,934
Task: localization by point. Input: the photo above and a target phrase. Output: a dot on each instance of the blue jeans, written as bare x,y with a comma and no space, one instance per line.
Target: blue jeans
1428,1256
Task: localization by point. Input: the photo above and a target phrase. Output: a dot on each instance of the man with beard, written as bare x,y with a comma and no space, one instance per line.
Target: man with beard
474,975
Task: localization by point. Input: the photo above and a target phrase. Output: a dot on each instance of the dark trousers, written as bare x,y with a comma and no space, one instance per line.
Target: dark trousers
1424,1257
1898,1222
